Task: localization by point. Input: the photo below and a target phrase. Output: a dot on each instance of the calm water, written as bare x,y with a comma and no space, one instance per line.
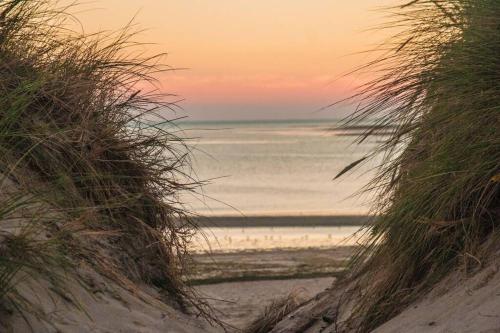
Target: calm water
269,168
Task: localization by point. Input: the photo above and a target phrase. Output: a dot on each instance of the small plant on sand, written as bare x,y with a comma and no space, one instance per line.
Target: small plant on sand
439,197
81,132
273,313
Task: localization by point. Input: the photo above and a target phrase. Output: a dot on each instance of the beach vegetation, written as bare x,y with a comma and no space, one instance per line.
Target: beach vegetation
438,197
89,168
274,312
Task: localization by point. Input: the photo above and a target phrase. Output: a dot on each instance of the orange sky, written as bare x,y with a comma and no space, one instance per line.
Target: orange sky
250,59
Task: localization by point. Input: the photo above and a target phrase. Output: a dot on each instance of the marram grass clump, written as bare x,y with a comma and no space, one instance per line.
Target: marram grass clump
274,312
77,136
438,186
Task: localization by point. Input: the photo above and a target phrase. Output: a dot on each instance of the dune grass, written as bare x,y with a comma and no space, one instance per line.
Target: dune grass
438,88
78,135
273,313
20,248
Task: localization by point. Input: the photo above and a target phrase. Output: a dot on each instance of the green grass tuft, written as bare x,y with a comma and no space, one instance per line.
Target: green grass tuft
439,195
77,135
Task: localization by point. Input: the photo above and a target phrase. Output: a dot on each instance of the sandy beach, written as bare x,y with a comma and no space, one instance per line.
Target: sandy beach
277,264
267,233
240,302
240,284
242,263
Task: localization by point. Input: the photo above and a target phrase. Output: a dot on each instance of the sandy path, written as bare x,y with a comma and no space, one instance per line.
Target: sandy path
240,302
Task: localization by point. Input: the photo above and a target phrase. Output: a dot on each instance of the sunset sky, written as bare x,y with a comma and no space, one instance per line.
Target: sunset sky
243,59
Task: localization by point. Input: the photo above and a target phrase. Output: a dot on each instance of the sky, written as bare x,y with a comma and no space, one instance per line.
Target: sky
250,59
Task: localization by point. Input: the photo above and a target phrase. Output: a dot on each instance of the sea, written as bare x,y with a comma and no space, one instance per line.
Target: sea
278,168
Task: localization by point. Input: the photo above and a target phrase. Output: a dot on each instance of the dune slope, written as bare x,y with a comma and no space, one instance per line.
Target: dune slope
461,303
92,235
438,209
96,304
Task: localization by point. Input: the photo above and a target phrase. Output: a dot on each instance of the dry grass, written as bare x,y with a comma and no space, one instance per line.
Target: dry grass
82,132
439,200
274,313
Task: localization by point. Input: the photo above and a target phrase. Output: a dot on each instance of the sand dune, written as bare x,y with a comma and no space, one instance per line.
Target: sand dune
461,303
107,308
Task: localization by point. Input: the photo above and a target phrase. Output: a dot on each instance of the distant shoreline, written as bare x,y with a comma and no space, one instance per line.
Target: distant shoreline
282,221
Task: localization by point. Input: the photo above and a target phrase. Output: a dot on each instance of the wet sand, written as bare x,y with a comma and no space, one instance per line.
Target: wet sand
240,284
281,220
278,264
243,264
